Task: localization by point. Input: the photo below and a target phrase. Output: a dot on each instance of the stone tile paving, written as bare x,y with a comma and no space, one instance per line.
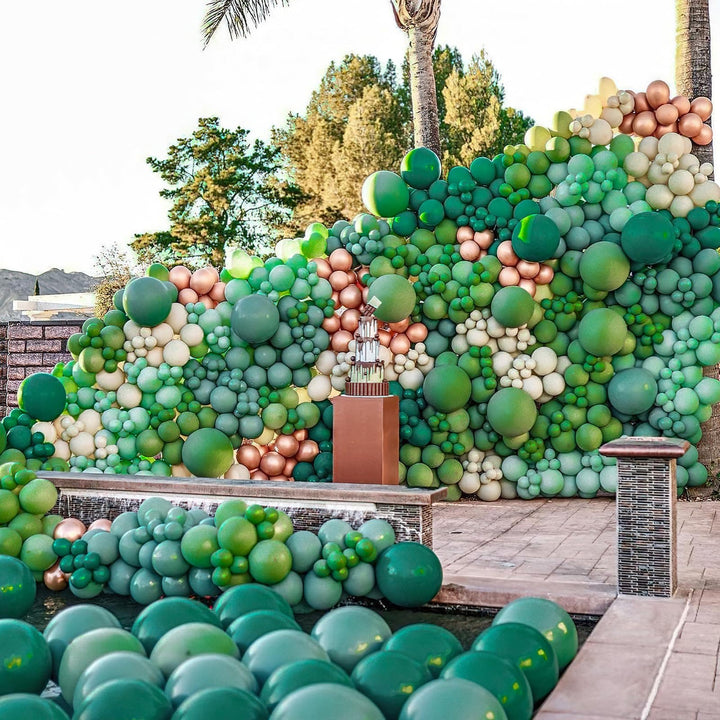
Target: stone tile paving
649,658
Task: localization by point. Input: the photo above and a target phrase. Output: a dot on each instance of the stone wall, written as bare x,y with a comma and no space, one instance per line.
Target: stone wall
30,347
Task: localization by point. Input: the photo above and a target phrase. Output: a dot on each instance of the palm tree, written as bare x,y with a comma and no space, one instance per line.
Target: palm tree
417,18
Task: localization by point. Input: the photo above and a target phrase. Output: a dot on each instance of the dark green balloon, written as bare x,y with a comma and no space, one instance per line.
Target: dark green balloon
124,699
326,701
42,396
535,238
26,706
420,168
242,599
227,702
431,645
146,301
408,574
452,698
447,388
648,238
255,319
252,625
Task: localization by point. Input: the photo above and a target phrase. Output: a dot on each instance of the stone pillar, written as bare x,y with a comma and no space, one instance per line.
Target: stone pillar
646,513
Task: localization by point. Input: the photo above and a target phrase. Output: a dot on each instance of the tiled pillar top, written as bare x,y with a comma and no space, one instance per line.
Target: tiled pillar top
645,447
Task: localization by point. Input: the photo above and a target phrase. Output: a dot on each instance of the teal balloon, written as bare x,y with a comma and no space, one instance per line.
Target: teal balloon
255,319
648,238
511,411
454,697
348,634
326,701
137,698
221,702
380,531
388,678
146,301
420,168
632,391
252,625
498,675
431,645
321,593
23,706
526,648
408,574
42,396
17,588
396,295
385,194
602,332
547,617
293,676
242,599
512,306
535,238
447,388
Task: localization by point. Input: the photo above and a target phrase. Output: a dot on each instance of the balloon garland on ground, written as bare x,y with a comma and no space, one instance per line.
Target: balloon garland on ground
533,306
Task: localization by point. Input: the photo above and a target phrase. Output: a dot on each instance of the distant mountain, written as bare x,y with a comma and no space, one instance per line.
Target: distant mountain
16,285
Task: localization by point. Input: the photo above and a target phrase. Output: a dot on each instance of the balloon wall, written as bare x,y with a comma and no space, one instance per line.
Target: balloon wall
533,306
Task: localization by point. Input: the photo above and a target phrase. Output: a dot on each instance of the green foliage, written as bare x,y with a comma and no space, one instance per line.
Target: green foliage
223,190
115,267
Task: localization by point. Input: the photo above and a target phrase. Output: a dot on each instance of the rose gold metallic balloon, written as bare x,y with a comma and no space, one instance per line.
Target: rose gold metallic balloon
55,579
505,254
682,103
641,103
509,276
278,478
340,259
644,123
401,326
704,137
272,463
385,337
484,238
464,233
365,294
301,434
626,125
335,296
702,107
545,275
527,269
248,455
351,296
258,475
400,344
661,130
203,279
339,340
290,464
308,451
187,295
217,292
667,114
287,445
100,524
338,280
350,320
180,276
657,93
689,125
323,269
262,449
417,332
331,324
70,529
529,285
207,301
470,250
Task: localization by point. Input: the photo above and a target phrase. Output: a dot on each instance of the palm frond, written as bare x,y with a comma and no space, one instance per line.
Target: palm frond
240,16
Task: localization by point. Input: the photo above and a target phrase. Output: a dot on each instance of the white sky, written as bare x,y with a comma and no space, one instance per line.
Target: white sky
90,89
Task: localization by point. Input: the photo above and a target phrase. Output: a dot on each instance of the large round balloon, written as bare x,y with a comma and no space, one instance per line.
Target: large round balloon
136,698
632,391
648,238
385,194
431,645
454,697
42,396
447,388
250,626
255,319
604,266
535,238
396,295
326,701
512,306
25,660
208,452
408,574
22,706
420,168
550,619
243,599
146,301
602,332
17,588
511,411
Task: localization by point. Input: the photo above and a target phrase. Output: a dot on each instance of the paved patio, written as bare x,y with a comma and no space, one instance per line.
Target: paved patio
648,658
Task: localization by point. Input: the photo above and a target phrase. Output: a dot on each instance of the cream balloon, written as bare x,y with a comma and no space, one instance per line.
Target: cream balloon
649,146
469,483
704,192
155,357
613,116
62,449
636,164
131,329
176,353
237,472
180,470
192,335
553,384
681,206
681,182
110,381
129,396
91,420
163,333
674,144
177,317
490,492
659,197
546,360
319,388
47,429
265,437
326,361
82,444
411,379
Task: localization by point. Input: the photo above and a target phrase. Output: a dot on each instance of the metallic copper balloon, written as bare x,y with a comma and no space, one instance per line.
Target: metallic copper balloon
340,259
180,276
657,93
278,478
187,295
352,277
350,320
70,529
323,269
258,475
287,445
338,280
505,254
484,238
100,524
705,136
464,233
301,434
339,340
641,103
417,332
667,114
331,324
470,250
702,107
203,279
272,463
626,125
262,449
529,285
545,275
644,123
661,130
290,464
509,276
400,344
365,294
308,451
335,296
385,337
217,292
351,296
248,455
682,103
207,301
55,579
400,326
528,269
689,125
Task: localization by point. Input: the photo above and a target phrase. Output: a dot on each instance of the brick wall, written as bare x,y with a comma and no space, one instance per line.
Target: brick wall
30,347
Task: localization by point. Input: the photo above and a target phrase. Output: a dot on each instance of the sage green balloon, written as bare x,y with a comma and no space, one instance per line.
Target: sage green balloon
511,411
604,266
602,332
512,306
